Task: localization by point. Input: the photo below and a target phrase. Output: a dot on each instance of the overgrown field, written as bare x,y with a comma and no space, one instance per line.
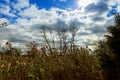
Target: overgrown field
78,66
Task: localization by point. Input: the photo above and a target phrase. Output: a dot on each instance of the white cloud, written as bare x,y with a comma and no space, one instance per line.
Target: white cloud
31,17
29,12
19,4
51,16
5,9
2,20
84,3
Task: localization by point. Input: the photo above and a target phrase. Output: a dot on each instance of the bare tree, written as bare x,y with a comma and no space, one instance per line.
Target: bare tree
62,34
44,30
52,37
60,39
73,28
64,37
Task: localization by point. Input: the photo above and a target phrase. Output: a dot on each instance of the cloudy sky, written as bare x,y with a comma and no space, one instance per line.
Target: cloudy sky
25,17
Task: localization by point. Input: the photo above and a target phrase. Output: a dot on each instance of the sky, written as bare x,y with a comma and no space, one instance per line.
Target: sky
25,17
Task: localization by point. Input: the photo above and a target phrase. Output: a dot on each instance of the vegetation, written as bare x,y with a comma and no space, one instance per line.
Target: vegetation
78,66
66,62
112,59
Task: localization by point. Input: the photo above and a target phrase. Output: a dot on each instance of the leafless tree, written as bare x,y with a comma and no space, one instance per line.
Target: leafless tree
62,34
44,31
52,37
73,28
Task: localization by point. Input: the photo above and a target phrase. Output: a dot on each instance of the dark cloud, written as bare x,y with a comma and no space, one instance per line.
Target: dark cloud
35,27
60,23
98,29
76,22
19,38
2,29
100,7
4,33
61,26
13,36
98,18
83,33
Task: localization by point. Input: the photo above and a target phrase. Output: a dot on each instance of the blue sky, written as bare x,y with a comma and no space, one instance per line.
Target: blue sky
25,17
47,4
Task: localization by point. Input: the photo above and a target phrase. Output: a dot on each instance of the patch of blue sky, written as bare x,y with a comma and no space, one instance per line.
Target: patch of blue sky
47,4
113,10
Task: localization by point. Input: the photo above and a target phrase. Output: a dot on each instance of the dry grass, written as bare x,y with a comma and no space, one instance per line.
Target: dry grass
78,66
